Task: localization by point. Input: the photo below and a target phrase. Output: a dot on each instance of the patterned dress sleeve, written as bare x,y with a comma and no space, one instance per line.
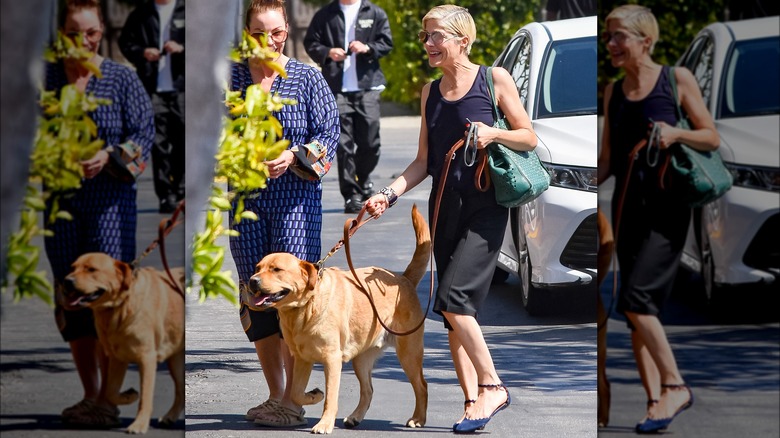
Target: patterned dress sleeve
138,115
323,123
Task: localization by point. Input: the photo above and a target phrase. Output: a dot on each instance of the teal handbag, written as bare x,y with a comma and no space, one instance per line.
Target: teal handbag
699,176
518,176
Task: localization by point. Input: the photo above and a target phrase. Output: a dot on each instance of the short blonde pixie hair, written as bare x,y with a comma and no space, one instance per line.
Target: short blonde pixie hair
454,19
638,19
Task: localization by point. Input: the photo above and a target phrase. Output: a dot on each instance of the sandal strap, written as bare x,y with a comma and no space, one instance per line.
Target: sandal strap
469,401
651,402
674,386
491,385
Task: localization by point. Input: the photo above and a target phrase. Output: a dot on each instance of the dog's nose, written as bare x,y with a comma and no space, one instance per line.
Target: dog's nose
69,283
254,284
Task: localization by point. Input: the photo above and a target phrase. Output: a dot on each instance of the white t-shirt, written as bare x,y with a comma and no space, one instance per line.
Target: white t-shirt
350,81
164,75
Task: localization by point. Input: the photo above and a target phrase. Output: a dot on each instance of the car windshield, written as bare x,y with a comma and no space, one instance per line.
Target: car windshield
750,84
568,83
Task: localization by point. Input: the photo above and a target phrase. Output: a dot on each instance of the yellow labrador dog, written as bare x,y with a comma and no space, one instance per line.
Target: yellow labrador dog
139,317
326,319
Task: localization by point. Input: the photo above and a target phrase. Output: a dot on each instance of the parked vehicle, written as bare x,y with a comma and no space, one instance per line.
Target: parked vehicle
733,241
551,242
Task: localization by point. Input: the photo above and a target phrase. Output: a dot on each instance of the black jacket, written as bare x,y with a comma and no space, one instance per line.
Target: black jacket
327,31
142,30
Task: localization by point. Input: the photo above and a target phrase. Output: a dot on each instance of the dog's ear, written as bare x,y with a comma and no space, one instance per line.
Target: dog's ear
125,274
311,272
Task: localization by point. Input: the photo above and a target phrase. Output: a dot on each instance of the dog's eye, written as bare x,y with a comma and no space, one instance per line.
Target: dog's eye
275,269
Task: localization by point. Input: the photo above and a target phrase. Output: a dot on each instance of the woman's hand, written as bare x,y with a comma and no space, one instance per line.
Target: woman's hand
280,165
376,205
669,135
485,134
94,165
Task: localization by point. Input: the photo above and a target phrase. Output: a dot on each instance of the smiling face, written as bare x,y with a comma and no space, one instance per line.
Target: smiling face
625,46
270,24
85,24
442,46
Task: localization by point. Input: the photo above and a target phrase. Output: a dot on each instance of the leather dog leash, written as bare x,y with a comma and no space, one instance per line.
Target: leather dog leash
352,225
165,227
632,156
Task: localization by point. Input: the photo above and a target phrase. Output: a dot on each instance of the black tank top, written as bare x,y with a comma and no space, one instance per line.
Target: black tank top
446,121
629,122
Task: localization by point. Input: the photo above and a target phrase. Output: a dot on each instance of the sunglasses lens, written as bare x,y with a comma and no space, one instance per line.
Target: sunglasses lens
423,36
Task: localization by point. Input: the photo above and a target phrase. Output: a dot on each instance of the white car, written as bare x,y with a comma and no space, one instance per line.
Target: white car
733,241
551,242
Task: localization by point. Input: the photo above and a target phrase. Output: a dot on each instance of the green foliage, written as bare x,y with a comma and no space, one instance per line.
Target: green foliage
678,20
406,67
65,137
251,135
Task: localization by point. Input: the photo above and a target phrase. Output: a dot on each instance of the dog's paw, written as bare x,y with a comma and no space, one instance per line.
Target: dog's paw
351,422
414,423
138,427
127,397
314,396
323,427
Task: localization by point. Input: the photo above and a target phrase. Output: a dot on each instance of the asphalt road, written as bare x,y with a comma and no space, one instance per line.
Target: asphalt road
728,352
38,378
549,363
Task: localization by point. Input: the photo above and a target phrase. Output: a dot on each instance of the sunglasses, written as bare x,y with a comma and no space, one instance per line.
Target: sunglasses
92,35
277,36
619,37
437,38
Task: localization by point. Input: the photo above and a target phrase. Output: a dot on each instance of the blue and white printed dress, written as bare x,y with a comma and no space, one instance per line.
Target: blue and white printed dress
289,209
104,208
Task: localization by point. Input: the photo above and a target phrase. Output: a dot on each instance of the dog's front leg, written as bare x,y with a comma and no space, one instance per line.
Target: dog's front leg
332,368
176,368
115,376
147,370
298,394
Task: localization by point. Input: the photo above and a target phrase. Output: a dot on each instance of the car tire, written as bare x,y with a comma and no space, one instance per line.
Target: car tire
532,300
500,276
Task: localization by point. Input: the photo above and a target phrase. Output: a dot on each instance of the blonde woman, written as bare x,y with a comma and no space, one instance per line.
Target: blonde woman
654,222
468,238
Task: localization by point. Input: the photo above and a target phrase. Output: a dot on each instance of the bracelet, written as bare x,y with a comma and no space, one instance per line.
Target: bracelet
390,195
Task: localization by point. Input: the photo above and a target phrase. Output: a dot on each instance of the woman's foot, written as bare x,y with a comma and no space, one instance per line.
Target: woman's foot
466,405
492,399
266,406
674,399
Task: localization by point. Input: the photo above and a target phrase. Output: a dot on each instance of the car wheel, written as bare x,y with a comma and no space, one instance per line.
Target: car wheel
500,276
707,266
531,295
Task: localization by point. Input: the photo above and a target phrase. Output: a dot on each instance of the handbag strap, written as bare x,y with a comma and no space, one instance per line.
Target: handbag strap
492,93
673,83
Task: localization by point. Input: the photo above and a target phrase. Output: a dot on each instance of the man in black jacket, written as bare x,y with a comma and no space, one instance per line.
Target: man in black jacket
347,38
153,41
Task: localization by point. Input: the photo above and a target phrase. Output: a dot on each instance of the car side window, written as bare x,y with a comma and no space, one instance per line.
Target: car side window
699,61
518,63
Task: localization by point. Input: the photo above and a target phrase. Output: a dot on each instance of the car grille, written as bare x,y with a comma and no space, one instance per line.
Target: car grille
763,252
581,251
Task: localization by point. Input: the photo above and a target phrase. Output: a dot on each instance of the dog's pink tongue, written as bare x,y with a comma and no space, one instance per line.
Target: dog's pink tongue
76,302
260,300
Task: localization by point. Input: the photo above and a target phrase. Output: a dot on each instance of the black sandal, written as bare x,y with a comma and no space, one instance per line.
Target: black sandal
471,425
652,425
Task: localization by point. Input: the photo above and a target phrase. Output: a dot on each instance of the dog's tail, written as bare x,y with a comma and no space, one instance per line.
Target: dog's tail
422,253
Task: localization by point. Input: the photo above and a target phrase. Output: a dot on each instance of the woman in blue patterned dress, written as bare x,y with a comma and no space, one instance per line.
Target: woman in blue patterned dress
104,208
289,209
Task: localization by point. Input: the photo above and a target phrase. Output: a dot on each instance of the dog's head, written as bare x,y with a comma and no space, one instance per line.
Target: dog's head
280,280
96,279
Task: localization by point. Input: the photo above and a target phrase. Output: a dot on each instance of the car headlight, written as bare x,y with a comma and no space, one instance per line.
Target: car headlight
755,177
572,177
